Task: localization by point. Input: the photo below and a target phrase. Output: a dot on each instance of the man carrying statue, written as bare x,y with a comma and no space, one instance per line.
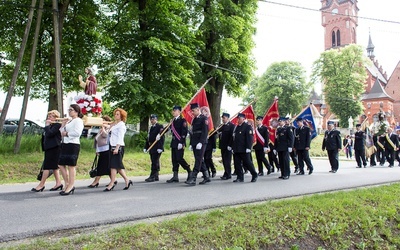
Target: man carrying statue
378,129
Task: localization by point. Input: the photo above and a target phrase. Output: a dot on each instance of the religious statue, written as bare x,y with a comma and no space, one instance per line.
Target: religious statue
90,85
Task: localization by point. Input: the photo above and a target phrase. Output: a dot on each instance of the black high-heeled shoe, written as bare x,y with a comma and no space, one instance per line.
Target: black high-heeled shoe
57,188
115,183
68,193
38,190
93,186
129,184
107,190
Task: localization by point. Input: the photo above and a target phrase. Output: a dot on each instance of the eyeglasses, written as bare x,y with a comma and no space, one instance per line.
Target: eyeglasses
71,110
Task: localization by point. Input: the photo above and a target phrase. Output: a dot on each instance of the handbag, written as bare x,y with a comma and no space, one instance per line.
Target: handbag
40,175
93,171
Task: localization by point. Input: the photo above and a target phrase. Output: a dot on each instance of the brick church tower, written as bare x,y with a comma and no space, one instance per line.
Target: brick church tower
339,18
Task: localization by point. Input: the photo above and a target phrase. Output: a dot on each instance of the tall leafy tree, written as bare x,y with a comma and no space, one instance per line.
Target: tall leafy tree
149,56
225,29
287,81
342,72
79,41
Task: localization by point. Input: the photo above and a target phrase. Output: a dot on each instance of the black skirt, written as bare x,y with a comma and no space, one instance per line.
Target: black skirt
69,154
103,164
51,156
116,159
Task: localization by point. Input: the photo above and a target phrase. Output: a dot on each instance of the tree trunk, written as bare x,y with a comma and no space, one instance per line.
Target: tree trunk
214,100
144,124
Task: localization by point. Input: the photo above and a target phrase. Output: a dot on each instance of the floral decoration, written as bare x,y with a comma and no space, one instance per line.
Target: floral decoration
90,105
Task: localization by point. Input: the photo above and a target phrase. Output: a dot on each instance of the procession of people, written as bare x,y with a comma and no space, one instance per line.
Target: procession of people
282,139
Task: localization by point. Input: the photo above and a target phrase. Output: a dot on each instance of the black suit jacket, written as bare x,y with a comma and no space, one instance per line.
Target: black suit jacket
284,138
395,139
226,135
212,142
51,137
180,126
242,138
359,140
263,132
199,131
332,140
302,138
151,138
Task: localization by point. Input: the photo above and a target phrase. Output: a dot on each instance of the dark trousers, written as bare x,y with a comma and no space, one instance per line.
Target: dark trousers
373,156
155,163
177,159
273,160
209,162
380,154
284,161
333,156
199,165
243,160
390,155
398,156
360,157
227,161
304,156
293,156
260,156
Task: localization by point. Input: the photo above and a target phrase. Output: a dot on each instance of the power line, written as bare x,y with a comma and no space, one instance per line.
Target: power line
317,10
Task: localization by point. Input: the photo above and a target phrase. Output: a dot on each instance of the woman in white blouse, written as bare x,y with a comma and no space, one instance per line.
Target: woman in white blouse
117,134
71,131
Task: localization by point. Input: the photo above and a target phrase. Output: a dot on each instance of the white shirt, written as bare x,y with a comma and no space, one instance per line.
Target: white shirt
74,129
117,134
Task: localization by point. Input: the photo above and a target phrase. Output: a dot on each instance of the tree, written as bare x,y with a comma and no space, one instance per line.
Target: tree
343,73
287,81
149,56
225,30
79,39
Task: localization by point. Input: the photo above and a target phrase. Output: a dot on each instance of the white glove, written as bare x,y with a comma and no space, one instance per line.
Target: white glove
290,150
229,148
190,148
144,150
274,151
158,137
180,146
266,149
199,146
159,150
214,149
248,150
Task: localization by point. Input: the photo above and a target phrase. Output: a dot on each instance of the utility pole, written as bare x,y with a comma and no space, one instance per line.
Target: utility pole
57,55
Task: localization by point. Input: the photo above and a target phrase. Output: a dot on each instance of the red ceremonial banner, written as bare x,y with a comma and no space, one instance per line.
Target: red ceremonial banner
250,117
271,120
201,99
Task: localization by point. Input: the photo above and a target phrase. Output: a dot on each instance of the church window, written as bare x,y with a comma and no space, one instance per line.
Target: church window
333,39
338,38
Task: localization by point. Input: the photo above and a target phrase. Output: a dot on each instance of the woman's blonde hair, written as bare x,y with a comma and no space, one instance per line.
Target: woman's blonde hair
123,113
54,113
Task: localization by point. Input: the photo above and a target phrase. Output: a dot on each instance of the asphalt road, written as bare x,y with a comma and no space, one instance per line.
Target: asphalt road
24,213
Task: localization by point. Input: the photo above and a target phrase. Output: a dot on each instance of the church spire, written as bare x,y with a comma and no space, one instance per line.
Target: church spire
370,48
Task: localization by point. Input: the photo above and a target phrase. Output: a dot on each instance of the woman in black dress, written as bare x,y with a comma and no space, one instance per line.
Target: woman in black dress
102,146
51,141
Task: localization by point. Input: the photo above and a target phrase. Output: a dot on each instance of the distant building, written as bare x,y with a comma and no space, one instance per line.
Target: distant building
340,21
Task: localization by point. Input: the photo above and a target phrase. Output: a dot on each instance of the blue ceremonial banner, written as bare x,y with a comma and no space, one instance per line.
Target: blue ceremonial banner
308,120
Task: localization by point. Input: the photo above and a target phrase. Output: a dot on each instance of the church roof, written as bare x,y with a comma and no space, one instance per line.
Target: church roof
377,92
315,98
373,69
329,3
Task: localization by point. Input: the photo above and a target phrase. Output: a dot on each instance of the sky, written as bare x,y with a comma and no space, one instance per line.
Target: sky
287,33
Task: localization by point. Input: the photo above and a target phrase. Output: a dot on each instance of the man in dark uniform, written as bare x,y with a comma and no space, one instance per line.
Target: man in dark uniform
211,147
242,143
359,146
284,145
302,141
198,143
261,147
333,144
225,144
155,152
392,145
179,132
293,154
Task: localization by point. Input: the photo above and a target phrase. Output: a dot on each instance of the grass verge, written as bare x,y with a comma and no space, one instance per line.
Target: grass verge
367,218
